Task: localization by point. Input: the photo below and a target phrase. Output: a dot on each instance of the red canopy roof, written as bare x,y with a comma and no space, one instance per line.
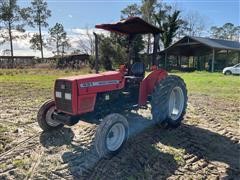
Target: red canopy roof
132,25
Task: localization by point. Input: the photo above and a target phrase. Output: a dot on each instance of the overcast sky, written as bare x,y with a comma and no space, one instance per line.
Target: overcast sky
76,15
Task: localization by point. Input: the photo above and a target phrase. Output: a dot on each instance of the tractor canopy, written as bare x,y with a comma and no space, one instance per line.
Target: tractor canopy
130,26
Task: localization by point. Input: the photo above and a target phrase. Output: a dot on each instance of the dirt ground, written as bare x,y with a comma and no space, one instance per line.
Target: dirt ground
206,146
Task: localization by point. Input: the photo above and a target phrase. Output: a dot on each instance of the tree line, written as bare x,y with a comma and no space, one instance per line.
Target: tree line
164,16
113,48
173,23
14,18
228,31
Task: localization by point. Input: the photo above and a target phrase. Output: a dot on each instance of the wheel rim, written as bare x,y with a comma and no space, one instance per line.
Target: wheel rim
115,137
176,103
49,119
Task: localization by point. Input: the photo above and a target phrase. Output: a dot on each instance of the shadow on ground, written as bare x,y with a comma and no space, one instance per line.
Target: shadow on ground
140,158
63,136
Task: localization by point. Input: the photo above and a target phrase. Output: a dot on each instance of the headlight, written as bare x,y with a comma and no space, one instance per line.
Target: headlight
68,96
107,97
58,94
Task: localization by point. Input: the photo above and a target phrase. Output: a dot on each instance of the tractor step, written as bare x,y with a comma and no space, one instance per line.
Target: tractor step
144,107
136,106
65,119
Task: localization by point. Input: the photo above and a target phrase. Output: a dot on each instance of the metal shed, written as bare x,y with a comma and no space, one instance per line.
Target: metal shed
16,61
196,46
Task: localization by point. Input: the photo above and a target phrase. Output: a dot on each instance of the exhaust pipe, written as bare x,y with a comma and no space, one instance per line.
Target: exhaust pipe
96,52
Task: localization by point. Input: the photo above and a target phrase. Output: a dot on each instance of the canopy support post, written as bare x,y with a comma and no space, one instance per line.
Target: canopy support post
165,62
155,48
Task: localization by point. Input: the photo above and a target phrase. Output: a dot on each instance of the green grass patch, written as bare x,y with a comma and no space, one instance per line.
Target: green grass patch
215,85
177,153
36,78
3,165
20,163
3,129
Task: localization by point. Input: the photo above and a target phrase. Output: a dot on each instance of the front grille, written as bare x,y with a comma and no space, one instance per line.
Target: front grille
85,103
62,103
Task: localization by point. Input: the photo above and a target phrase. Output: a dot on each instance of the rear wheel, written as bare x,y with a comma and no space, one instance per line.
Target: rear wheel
111,135
169,101
44,116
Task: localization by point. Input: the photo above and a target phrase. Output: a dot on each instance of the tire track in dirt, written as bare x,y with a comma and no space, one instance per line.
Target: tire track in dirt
216,114
196,162
82,156
199,162
218,126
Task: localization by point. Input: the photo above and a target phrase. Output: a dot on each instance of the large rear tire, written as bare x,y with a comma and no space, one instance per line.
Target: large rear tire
169,101
44,116
111,135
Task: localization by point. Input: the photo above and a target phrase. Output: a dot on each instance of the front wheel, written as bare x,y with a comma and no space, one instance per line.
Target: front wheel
111,135
228,72
169,101
44,116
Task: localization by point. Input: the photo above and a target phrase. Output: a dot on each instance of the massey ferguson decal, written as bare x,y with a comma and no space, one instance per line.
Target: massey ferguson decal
99,83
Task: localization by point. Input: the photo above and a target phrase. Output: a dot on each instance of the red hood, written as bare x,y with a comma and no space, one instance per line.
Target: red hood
93,76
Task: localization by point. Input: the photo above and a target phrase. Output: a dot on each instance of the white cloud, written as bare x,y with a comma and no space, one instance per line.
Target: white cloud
22,45
78,38
85,31
70,16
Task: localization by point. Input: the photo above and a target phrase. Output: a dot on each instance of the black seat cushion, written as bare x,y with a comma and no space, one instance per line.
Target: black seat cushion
138,69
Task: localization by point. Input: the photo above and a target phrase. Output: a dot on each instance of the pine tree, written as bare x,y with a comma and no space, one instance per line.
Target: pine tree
39,14
59,37
13,18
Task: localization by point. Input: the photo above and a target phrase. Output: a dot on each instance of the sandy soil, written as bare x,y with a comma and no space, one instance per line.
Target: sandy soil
206,146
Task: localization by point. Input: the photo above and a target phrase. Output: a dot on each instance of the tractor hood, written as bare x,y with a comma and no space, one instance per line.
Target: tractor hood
77,94
94,83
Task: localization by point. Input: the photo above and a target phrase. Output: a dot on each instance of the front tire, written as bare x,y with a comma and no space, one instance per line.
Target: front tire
111,135
169,101
44,116
228,73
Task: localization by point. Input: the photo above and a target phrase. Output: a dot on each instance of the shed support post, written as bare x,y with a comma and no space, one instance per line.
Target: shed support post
188,61
213,59
238,57
180,62
193,62
198,64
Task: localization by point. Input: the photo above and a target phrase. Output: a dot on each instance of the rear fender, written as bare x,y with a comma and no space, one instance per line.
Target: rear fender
148,84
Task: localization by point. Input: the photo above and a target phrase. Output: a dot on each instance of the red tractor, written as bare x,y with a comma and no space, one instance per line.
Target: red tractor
104,95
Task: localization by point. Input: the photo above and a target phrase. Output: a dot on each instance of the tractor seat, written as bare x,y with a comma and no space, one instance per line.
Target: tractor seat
137,72
138,69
